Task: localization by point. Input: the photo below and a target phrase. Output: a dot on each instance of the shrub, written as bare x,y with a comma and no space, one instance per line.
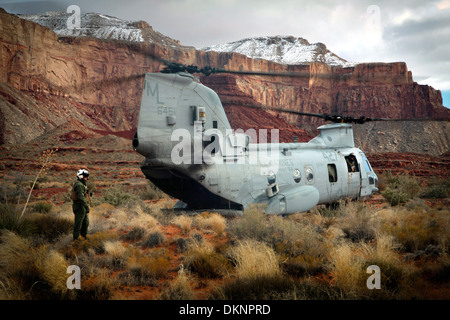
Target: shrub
383,255
136,217
254,259
96,242
38,271
253,225
347,269
213,221
415,229
392,275
355,219
54,271
42,207
98,286
118,196
144,270
303,264
184,222
118,253
50,227
9,290
302,247
204,261
400,188
437,189
395,196
154,238
180,289
13,222
151,192
137,233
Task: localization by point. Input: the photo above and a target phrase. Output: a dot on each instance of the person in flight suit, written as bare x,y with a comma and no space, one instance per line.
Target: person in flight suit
80,205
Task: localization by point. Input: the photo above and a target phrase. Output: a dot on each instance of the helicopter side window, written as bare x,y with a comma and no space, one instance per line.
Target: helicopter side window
352,164
332,173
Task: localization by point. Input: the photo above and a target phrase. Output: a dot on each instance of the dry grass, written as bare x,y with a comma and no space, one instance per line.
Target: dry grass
261,257
145,269
202,259
255,259
211,221
347,269
357,222
54,271
254,224
184,222
38,271
98,286
180,289
418,227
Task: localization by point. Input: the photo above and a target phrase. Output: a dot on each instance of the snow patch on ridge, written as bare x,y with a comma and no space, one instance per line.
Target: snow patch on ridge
282,49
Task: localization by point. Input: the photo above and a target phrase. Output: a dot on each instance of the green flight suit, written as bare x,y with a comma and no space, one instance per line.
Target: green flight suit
80,208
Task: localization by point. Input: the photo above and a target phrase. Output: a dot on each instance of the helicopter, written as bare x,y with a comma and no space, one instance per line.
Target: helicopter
192,153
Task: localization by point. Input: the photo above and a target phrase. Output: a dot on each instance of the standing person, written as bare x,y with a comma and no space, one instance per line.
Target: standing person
80,205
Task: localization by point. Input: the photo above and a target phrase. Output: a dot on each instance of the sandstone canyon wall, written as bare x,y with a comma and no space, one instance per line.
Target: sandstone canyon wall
46,80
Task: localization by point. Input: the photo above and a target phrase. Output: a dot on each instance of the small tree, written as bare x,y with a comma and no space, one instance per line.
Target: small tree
44,160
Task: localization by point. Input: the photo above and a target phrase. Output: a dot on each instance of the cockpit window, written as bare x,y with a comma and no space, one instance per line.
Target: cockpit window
367,164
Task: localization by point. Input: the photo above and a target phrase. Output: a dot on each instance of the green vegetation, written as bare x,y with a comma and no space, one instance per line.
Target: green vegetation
400,188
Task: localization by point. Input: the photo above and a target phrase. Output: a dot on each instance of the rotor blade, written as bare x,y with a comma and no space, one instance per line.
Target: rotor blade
336,118
105,82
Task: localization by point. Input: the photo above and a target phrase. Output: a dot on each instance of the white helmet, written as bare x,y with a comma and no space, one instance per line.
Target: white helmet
82,173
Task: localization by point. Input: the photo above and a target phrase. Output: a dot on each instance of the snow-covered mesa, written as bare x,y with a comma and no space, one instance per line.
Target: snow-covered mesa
92,25
282,49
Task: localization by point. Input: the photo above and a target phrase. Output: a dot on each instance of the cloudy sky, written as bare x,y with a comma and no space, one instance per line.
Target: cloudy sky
414,31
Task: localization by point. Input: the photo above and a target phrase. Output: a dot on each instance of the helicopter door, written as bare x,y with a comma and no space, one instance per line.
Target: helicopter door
354,176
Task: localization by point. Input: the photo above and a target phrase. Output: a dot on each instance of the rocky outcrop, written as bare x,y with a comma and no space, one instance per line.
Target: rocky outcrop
47,80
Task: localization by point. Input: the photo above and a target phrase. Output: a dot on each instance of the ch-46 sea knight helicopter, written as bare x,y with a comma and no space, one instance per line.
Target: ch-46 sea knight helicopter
192,154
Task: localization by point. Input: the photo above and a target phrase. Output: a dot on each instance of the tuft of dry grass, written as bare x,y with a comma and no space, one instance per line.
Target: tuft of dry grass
180,289
98,286
212,221
347,268
144,269
254,224
356,220
54,270
118,254
138,218
184,222
202,259
255,259
38,271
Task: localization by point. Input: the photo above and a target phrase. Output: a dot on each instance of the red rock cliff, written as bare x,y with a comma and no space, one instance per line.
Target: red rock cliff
47,80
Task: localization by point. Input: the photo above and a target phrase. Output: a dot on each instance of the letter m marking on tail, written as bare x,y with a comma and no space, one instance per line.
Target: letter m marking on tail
153,92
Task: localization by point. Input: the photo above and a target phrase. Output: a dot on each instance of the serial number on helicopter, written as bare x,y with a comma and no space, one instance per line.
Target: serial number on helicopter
170,111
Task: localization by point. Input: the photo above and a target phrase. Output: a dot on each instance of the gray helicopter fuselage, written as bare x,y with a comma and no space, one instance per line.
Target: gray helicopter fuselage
193,154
